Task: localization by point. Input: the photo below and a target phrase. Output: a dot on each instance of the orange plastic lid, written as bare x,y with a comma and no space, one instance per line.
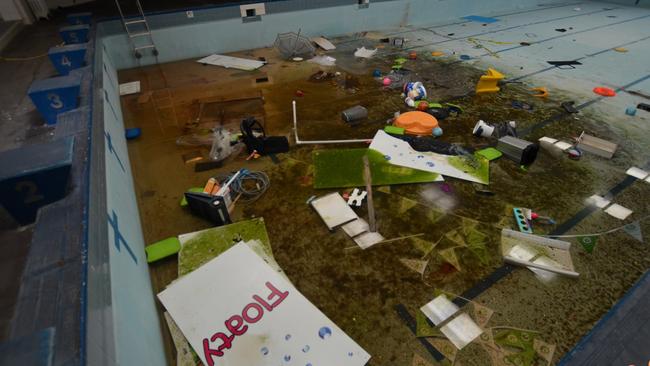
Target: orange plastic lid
416,123
605,92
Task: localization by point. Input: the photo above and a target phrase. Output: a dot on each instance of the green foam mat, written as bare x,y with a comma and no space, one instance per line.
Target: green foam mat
200,247
490,153
162,249
340,168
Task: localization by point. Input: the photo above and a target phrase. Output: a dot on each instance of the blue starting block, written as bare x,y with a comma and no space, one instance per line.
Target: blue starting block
55,95
79,18
68,57
74,34
33,176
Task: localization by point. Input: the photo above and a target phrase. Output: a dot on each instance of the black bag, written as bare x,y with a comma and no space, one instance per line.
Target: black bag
256,140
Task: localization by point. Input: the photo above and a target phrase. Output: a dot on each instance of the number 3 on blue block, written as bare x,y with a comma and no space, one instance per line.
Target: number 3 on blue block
55,101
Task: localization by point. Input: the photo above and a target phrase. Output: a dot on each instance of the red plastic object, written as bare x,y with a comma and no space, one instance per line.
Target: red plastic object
300,93
605,92
423,106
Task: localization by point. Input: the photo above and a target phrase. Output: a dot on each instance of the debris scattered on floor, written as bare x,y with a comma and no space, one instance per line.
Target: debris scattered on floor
398,152
523,152
488,83
334,210
294,46
413,91
342,168
637,173
162,249
618,211
230,62
364,52
542,92
536,252
605,92
130,88
323,60
132,133
595,145
324,43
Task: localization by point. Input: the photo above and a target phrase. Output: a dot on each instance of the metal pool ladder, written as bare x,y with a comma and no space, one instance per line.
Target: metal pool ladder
138,31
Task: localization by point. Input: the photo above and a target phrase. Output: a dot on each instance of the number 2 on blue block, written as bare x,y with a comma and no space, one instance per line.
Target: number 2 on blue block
30,190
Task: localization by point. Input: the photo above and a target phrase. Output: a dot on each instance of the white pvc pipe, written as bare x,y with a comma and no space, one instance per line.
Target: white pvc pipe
319,142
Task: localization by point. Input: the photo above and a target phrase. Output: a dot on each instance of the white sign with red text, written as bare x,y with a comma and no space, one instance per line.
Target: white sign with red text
237,311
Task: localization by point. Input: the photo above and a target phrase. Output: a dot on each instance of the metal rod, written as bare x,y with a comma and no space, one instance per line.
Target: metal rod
318,142
367,176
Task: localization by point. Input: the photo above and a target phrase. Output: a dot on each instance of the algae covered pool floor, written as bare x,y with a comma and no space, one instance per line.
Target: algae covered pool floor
451,228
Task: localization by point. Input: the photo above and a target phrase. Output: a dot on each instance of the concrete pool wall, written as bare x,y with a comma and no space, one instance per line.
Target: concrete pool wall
122,324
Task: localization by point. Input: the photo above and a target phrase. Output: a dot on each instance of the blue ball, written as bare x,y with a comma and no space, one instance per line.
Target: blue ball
376,73
630,111
437,132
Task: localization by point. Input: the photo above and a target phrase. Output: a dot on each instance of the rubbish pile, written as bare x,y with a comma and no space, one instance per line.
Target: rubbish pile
233,303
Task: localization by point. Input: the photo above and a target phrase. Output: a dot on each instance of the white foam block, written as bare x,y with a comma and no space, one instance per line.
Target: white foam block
548,140
563,145
367,240
637,173
355,227
598,201
333,209
439,309
130,88
232,62
461,331
324,43
618,211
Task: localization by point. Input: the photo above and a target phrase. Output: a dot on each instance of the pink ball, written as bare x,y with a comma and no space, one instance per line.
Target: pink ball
387,81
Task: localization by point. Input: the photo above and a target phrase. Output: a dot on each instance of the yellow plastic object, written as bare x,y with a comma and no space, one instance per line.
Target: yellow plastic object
488,83
416,123
543,92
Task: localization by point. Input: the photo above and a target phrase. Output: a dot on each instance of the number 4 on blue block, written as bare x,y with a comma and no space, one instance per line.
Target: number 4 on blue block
67,58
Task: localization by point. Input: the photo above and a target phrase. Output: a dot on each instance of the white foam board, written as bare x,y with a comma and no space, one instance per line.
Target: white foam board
237,300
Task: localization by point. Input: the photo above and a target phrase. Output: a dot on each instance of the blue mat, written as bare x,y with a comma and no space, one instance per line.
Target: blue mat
480,19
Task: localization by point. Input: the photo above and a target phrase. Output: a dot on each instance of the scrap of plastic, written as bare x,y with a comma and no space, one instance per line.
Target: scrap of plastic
364,52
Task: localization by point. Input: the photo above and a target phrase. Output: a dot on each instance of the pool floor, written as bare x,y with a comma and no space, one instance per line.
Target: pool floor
360,290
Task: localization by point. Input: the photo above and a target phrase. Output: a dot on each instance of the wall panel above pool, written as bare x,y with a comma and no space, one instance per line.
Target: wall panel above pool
222,29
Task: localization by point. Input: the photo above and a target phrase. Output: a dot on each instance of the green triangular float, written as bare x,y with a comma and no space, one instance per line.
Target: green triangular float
423,246
449,255
588,242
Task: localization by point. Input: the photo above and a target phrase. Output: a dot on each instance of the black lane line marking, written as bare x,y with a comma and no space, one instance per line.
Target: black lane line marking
467,21
410,323
514,27
554,38
581,58
563,114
